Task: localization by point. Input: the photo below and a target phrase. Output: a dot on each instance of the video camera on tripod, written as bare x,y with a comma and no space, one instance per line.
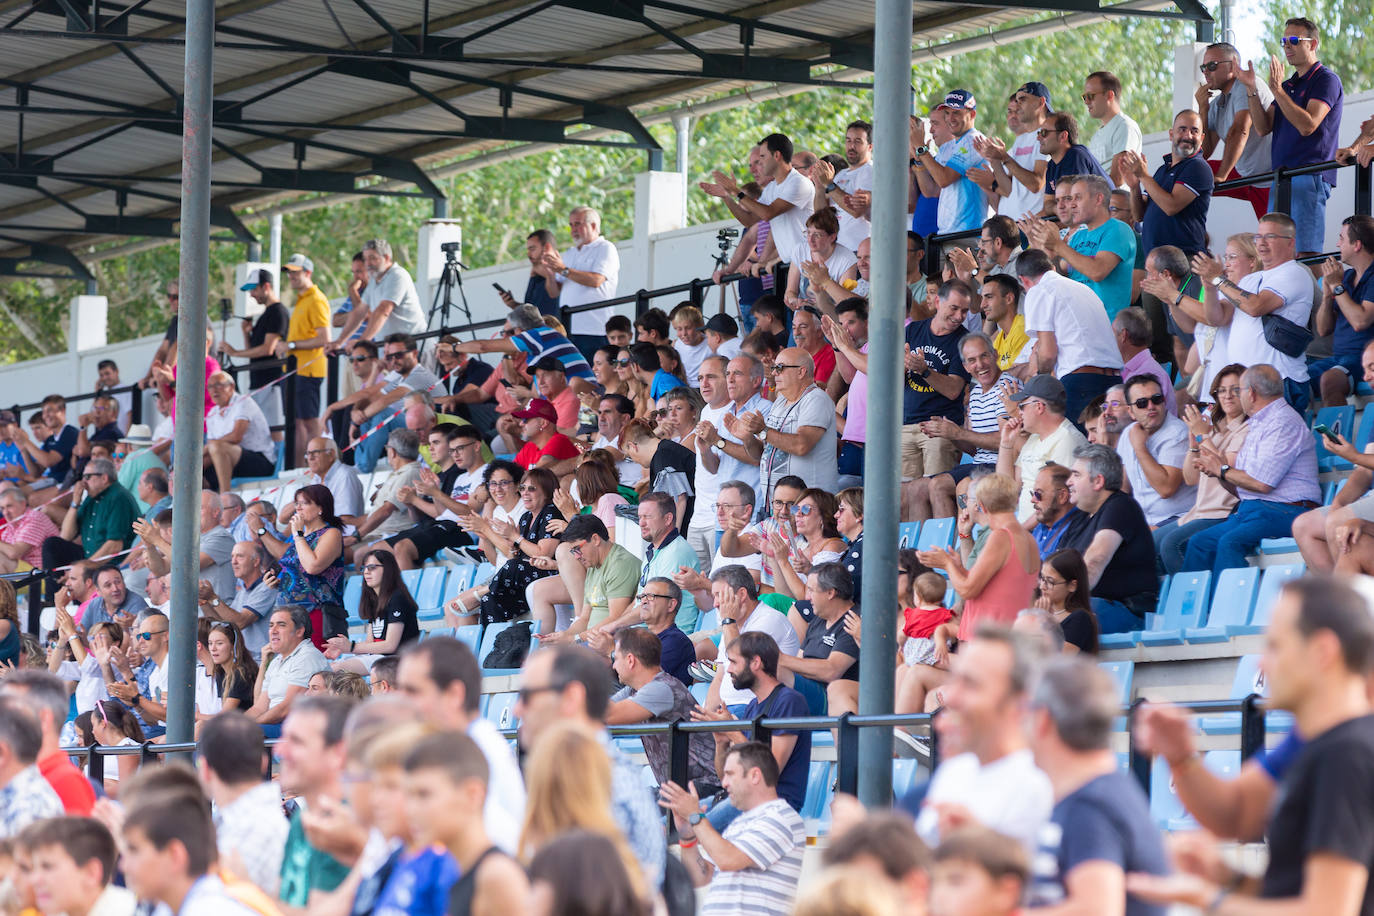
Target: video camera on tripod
443,292
724,242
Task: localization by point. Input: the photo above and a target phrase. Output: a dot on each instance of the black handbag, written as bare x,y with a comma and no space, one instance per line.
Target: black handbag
510,647
1288,337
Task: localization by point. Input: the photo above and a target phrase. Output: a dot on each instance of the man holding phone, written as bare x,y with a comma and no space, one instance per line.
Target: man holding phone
538,243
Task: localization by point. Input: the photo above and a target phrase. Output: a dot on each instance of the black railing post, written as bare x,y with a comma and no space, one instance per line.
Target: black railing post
1139,760
697,294
1252,715
761,733
847,756
35,601
331,378
932,257
1364,191
97,764
1284,202
641,303
288,397
678,744
934,741
135,404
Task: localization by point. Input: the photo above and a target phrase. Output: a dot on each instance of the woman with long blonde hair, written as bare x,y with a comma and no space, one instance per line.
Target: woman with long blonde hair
569,782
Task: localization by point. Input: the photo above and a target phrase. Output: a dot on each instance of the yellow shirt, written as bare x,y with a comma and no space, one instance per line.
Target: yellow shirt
310,314
1010,344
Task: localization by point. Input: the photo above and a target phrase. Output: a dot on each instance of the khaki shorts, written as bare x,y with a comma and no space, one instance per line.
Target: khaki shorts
926,456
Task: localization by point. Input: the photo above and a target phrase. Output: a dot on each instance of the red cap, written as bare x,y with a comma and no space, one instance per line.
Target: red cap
537,409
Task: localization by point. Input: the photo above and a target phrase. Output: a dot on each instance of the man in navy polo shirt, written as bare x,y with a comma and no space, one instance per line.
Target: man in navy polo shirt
1059,140
1305,119
1347,311
1172,206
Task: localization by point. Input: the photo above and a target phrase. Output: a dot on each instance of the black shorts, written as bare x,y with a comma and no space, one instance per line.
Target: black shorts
254,464
308,397
432,537
960,471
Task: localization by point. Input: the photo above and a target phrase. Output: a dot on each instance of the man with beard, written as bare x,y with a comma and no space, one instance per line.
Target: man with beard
1116,416
1172,205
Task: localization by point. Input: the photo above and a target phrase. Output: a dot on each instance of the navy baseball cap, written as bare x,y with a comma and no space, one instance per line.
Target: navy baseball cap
959,100
1040,90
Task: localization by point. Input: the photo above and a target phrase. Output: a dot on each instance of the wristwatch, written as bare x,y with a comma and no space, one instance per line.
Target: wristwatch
261,531
720,444
1221,474
1338,289
290,345
214,602
1217,281
564,271
728,621
739,196
694,819
921,151
831,187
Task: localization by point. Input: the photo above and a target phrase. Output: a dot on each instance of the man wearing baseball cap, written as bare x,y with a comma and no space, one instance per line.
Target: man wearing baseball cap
1019,171
722,333
1052,439
306,338
544,446
963,205
262,336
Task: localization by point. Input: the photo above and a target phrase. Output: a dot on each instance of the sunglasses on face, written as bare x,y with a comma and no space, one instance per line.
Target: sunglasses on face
368,567
359,359
803,511
1211,66
150,634
1142,403
1293,41
622,363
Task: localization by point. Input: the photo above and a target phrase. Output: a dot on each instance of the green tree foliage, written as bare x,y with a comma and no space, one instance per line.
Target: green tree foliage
499,205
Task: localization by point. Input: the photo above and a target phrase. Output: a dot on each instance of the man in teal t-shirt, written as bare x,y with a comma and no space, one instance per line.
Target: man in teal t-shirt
312,756
1101,253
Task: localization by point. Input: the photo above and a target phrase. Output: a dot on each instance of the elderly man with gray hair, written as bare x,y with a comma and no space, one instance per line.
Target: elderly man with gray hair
1100,828
391,515
390,303
586,273
525,333
238,441
98,523
1114,540
1274,477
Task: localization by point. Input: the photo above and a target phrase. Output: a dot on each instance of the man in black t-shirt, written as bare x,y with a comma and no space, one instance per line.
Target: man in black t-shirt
465,396
1114,539
1319,652
671,468
936,381
827,673
262,336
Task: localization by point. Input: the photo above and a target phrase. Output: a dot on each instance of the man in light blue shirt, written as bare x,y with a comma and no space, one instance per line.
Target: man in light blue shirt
963,205
666,551
1101,254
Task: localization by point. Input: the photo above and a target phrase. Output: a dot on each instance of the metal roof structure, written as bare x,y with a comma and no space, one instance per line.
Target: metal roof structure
337,96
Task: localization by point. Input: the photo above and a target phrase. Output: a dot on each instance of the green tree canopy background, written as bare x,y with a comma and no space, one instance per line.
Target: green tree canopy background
498,205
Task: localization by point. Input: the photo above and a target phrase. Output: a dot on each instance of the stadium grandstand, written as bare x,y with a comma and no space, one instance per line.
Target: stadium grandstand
561,601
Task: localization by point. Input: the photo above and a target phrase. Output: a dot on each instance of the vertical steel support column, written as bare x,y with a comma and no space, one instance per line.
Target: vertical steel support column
682,125
190,406
882,474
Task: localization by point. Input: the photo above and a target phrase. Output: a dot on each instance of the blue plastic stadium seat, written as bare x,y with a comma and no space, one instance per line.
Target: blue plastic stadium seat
459,580
1166,810
699,692
1270,582
936,532
904,771
411,578
470,635
1271,546
908,534
429,597
352,596
1186,607
484,572
1247,680
1123,674
439,631
1365,431
1333,487
500,710
818,794
708,620
1232,606
1340,420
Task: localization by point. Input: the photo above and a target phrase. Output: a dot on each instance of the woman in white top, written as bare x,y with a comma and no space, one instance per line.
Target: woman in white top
822,233
502,480
82,669
113,725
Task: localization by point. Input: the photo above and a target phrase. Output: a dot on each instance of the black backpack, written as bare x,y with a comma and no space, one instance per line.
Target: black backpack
510,647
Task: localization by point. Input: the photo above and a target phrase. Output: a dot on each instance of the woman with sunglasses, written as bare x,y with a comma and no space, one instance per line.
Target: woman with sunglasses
386,607
1064,594
633,388
1225,431
818,541
501,479
530,547
607,374
312,562
681,409
232,666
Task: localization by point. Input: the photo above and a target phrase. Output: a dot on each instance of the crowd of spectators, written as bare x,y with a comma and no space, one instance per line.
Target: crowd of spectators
672,509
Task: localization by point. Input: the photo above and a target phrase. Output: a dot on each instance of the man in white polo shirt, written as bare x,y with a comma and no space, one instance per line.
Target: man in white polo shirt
238,441
587,272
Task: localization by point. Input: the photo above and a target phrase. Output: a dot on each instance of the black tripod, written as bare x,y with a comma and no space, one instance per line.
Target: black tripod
443,294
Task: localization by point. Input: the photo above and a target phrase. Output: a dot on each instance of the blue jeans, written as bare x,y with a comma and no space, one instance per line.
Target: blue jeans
1308,209
1115,617
1226,546
1171,541
373,447
270,731
748,290
1081,388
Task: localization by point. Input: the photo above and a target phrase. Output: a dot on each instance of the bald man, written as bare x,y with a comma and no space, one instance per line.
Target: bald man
798,432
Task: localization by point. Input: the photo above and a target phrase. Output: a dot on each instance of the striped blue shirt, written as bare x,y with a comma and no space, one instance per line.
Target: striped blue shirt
985,408
541,342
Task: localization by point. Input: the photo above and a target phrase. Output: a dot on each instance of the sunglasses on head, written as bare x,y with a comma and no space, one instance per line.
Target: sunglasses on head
1142,403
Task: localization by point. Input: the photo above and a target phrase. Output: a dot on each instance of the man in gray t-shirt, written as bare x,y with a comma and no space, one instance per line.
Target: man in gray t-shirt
1225,109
